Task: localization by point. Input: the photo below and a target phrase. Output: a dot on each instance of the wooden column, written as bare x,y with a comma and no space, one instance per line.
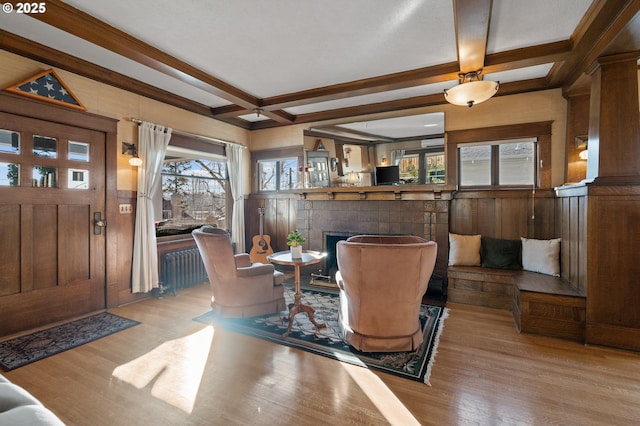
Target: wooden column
614,124
613,205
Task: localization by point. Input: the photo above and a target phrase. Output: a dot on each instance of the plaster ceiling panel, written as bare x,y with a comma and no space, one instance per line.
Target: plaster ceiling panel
273,48
520,74
268,48
391,95
52,37
545,21
537,71
401,127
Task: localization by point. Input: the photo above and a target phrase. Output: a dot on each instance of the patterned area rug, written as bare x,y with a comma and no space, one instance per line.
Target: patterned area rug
328,341
33,347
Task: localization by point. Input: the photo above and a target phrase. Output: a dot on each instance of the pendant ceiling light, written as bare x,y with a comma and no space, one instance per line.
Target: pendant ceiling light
471,90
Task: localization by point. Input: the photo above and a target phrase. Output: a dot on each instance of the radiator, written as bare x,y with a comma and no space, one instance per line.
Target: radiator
181,268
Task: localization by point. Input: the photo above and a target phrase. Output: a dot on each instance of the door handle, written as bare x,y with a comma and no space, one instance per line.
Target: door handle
98,223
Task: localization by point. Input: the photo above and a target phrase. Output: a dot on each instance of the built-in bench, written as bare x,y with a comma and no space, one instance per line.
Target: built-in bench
541,304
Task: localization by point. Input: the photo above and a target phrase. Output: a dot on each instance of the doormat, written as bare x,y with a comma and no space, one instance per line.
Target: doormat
33,347
328,341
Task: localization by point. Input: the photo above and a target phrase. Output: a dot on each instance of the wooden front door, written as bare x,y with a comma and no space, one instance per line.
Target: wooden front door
52,195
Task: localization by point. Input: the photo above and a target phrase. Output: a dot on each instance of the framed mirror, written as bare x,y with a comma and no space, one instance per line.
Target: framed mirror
414,143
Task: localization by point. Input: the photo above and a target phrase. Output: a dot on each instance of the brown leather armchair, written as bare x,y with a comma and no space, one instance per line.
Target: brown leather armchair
239,288
382,280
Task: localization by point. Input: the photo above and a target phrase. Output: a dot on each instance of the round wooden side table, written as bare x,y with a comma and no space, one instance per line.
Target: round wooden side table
308,258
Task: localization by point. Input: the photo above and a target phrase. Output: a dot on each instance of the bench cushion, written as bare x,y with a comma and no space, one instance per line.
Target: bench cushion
501,254
541,256
464,249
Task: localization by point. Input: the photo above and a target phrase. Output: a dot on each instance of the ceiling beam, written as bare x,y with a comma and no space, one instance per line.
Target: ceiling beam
41,53
340,138
592,38
400,80
503,61
595,35
472,28
230,111
527,56
76,22
356,134
367,86
511,88
280,116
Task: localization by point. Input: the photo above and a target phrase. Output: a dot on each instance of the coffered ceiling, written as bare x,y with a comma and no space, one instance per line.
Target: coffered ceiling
265,63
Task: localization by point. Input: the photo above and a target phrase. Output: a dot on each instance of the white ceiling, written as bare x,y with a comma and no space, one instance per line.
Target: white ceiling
410,126
276,47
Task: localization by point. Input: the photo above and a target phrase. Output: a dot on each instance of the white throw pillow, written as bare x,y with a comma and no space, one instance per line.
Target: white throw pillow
464,250
541,256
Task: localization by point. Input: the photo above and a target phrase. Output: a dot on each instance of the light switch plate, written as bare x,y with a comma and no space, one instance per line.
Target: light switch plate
126,209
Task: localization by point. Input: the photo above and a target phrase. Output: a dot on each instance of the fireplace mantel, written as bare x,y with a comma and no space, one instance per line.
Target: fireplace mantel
387,192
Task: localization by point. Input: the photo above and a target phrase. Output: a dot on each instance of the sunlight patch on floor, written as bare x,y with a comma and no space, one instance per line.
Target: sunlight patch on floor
472,406
174,369
385,401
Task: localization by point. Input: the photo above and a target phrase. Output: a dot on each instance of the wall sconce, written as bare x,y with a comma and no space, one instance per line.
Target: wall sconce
334,164
581,143
347,154
130,149
384,161
584,154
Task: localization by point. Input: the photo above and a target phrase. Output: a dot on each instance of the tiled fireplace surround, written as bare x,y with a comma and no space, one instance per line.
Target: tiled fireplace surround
426,218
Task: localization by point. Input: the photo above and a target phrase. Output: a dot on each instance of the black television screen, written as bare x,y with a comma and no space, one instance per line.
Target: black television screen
388,175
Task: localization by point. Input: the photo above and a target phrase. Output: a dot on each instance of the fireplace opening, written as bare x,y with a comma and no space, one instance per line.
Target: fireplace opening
330,262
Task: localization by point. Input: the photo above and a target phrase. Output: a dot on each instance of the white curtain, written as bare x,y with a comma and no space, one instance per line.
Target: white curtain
153,140
396,156
234,161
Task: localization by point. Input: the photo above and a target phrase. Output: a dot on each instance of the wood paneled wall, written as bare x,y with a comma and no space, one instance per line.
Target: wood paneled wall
612,245
279,218
504,214
500,214
597,224
571,221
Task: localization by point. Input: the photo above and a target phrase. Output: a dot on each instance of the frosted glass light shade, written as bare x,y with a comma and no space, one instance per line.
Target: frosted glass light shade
353,179
471,93
584,155
135,161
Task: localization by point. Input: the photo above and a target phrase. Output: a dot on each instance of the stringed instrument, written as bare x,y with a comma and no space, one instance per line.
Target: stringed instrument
261,243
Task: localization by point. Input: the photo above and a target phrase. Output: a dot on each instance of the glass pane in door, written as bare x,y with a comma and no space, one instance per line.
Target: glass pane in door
9,174
9,142
78,179
78,151
44,146
45,177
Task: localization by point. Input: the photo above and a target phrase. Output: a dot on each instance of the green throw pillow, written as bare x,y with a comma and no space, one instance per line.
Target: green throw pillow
501,254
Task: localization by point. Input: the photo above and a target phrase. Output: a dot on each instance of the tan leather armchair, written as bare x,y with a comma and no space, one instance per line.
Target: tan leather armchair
382,280
239,288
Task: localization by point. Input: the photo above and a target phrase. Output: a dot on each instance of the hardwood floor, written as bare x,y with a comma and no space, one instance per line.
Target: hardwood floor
170,370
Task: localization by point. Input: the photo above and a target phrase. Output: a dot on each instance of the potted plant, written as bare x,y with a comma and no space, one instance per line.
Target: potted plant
295,241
